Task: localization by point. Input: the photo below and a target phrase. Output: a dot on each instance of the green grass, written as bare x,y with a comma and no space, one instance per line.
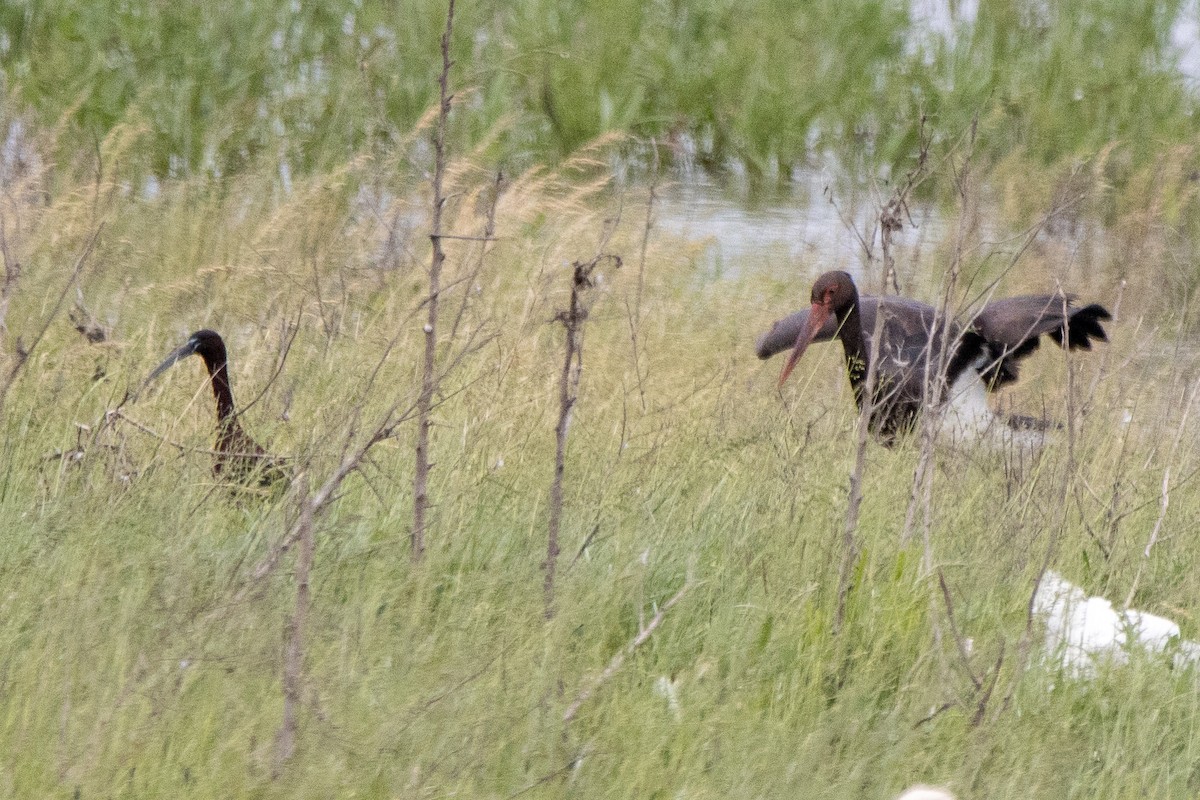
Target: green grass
127,669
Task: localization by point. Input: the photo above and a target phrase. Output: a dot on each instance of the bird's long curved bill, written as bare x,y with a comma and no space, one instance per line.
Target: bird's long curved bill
816,319
177,355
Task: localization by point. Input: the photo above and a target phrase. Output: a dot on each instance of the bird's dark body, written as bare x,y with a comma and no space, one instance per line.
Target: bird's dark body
920,355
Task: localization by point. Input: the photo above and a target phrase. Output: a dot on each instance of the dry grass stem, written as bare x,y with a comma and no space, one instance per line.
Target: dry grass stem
1164,496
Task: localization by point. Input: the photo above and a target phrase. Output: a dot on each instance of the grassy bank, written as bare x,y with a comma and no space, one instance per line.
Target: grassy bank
140,657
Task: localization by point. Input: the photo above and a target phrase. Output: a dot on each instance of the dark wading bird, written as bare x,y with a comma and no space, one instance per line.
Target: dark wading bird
238,457
982,352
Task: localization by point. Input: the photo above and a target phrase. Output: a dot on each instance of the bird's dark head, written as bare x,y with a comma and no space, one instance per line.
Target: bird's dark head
208,345
833,294
835,291
205,343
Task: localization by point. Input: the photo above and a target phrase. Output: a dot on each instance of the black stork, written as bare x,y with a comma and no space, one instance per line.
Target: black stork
980,353
238,457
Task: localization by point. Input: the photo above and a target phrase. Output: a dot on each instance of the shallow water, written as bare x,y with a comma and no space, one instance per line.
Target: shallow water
803,229
813,223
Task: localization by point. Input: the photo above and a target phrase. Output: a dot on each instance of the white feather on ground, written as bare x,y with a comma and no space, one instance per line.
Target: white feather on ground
1084,632
922,792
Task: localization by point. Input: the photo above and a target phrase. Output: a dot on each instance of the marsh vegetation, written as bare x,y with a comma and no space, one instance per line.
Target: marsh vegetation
706,634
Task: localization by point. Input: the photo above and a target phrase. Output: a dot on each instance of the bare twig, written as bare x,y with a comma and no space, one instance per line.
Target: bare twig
574,761
961,643
985,698
485,238
428,386
352,459
22,351
867,245
12,273
932,715
293,658
635,314
1103,369
117,413
587,542
573,319
936,363
279,364
617,660
85,322
489,230
426,705
324,496
890,222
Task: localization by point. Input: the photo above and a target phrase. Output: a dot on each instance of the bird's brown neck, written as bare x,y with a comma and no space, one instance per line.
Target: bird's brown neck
218,374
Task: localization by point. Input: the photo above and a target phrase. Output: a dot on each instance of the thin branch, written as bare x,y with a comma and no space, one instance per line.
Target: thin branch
617,660
12,273
1025,644
438,258
23,352
931,716
293,660
890,222
352,460
981,706
549,776
287,349
489,228
485,238
848,223
414,715
321,499
587,542
958,639
936,363
635,314
117,413
573,319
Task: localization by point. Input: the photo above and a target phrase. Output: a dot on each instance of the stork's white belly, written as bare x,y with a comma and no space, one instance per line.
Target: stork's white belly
966,418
